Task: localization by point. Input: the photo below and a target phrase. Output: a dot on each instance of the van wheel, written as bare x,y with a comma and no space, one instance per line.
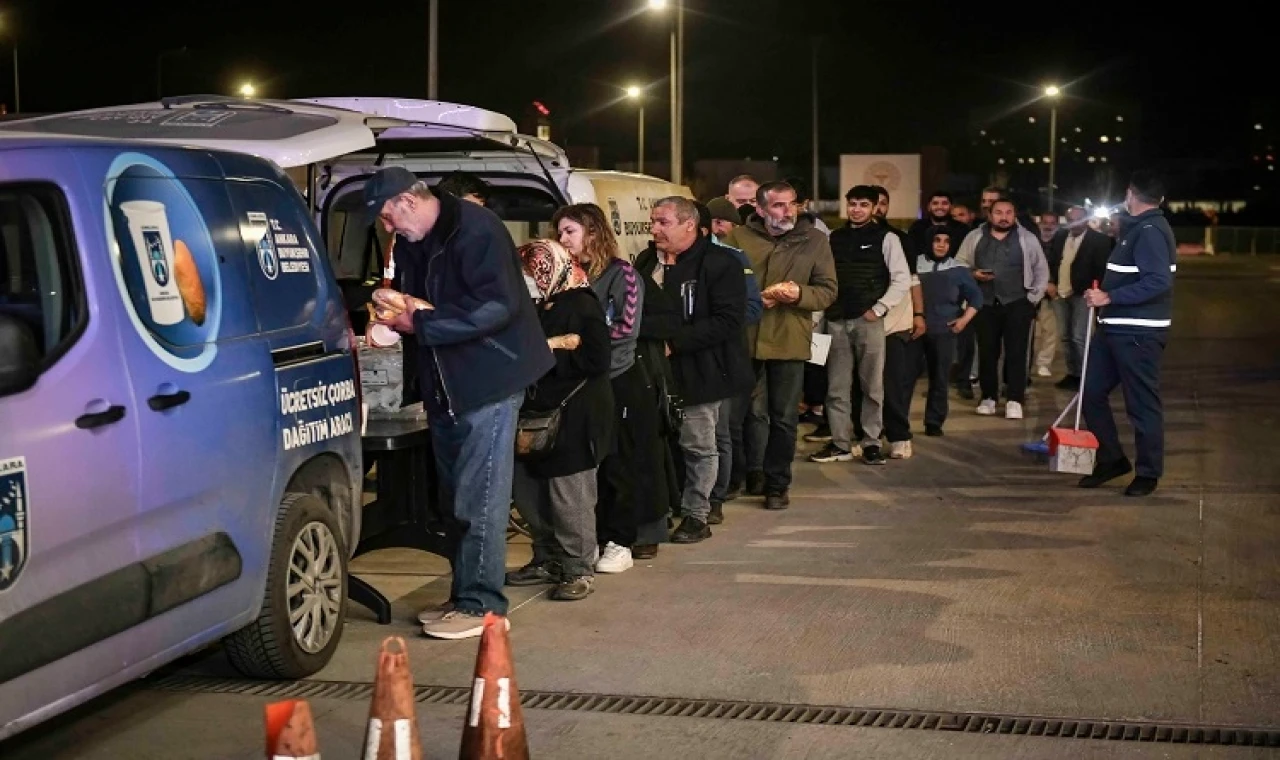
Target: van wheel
305,601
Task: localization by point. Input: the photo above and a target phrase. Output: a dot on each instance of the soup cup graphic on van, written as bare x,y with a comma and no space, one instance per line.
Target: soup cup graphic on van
149,228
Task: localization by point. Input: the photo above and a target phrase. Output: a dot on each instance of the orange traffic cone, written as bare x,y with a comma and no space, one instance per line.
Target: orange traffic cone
393,722
495,724
290,733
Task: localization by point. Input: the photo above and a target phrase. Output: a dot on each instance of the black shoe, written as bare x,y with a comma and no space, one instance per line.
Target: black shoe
574,589
716,516
1068,383
1104,472
872,455
644,551
691,531
831,453
933,431
822,434
533,575
777,501
812,419
965,390
755,484
1141,486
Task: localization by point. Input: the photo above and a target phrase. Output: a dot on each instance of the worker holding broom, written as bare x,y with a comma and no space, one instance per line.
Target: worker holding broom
1136,307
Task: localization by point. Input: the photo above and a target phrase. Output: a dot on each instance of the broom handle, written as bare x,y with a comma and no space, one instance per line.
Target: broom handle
1084,369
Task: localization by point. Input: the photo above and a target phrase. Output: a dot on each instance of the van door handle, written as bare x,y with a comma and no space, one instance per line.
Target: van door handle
111,415
163,401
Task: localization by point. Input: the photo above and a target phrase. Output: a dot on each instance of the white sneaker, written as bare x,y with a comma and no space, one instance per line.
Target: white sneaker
900,450
987,408
616,559
1013,411
1043,372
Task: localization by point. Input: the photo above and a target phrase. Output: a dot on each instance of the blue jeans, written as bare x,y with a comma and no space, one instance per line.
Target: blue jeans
475,458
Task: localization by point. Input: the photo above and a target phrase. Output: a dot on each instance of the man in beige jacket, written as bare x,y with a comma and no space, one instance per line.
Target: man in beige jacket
792,261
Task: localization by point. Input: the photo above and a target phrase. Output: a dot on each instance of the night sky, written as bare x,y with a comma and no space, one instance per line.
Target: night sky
894,75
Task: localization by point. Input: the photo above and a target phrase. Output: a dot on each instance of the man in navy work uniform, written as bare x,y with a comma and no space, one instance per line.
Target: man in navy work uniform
1136,302
473,331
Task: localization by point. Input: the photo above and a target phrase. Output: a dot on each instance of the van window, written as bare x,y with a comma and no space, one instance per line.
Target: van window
286,276
39,283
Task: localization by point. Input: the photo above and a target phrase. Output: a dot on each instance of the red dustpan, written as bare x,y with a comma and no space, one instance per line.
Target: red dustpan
1073,450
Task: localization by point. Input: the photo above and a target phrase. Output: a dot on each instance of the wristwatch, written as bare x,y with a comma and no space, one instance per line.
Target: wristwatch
879,310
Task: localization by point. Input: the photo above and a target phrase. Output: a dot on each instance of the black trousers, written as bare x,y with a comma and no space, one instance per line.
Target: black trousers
815,384
966,347
1131,361
1004,328
939,350
620,506
901,367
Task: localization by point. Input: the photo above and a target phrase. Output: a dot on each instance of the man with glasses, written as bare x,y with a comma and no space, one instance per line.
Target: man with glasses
476,346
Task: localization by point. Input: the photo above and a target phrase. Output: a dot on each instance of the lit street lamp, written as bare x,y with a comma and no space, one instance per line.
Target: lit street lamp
677,86
247,89
635,93
1052,92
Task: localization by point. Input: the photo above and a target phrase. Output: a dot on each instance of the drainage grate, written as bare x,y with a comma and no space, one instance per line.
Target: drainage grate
767,712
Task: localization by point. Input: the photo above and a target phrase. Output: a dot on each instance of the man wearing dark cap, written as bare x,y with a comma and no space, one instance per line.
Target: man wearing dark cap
477,346
724,216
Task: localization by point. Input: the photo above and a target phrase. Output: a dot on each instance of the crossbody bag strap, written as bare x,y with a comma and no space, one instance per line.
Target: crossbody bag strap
573,393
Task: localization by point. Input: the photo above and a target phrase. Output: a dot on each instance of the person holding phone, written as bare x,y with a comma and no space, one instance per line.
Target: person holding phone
1012,273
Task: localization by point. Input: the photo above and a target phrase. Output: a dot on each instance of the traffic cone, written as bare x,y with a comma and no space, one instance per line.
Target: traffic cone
393,722
495,724
290,732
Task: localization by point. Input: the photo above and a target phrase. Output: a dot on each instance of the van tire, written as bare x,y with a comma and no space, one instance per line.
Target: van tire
267,647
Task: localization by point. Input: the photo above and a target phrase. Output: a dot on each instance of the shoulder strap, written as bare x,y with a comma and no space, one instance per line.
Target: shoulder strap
573,393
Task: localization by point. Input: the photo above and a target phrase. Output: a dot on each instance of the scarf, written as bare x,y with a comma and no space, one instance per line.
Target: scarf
553,269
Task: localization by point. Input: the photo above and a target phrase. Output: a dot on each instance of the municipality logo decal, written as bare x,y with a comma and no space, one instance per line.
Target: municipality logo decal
267,257
615,216
14,499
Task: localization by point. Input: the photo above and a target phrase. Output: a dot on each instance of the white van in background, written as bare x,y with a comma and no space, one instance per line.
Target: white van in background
528,178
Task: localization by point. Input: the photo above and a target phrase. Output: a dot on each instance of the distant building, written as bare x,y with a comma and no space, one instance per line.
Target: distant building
1095,149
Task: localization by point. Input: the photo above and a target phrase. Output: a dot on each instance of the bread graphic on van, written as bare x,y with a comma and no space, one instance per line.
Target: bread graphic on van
190,287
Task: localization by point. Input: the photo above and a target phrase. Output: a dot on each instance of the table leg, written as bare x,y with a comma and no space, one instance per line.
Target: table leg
367,596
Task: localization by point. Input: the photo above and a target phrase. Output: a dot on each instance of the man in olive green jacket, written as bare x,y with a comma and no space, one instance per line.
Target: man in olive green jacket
792,260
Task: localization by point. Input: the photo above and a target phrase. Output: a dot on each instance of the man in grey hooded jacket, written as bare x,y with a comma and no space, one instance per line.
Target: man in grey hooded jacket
1011,270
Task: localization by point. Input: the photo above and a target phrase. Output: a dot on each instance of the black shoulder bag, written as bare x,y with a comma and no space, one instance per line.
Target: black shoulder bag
537,431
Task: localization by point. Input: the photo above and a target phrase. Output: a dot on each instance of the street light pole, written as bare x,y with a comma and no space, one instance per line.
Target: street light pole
433,42
815,119
1052,92
635,93
678,171
1053,152
640,147
17,97
677,86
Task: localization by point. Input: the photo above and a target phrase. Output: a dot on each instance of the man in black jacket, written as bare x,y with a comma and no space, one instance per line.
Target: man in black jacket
708,356
1077,258
937,214
478,346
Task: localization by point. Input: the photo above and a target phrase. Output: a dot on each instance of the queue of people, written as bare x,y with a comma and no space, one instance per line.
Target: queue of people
643,396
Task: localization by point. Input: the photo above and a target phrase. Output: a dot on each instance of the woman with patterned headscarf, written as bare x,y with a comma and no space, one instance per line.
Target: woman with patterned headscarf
556,494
